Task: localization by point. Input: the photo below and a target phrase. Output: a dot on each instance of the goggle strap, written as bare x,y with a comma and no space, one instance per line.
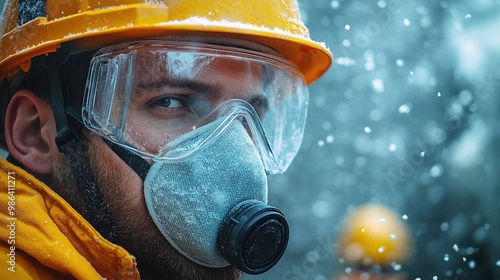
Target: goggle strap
70,144
137,163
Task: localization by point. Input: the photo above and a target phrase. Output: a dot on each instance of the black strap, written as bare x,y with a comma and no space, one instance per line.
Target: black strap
5,92
28,10
140,165
137,163
76,150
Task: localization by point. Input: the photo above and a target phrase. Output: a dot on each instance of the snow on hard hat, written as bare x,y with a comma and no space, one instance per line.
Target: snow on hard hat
373,234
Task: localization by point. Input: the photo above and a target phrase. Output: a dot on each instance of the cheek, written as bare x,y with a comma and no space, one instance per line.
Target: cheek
122,188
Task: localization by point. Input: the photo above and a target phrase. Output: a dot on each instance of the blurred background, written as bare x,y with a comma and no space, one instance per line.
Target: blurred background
406,118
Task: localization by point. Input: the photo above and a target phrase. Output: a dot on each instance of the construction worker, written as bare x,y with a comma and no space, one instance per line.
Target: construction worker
140,135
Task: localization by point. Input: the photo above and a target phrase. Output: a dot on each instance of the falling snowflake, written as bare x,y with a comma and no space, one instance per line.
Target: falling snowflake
392,147
472,264
378,85
405,108
334,4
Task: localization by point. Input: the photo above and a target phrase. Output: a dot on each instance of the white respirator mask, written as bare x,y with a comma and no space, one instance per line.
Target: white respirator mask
212,121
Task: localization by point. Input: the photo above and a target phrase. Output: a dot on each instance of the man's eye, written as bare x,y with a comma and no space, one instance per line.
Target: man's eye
168,102
260,104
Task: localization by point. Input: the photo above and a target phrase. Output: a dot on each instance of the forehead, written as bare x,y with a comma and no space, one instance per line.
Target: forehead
203,65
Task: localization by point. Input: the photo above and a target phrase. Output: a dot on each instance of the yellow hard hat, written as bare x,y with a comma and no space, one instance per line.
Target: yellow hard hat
41,29
374,235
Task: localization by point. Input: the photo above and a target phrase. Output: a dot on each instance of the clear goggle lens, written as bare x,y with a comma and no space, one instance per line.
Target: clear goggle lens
145,96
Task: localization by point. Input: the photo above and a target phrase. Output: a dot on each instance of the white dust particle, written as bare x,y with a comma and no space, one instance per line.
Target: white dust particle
445,226
378,85
436,170
472,264
392,147
396,266
405,108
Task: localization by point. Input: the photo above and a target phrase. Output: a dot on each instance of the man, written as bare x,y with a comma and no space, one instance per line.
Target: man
152,125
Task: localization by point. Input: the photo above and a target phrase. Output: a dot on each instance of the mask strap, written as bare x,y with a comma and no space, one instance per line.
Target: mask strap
137,163
69,142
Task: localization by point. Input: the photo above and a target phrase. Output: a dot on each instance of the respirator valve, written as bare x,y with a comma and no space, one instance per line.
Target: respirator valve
253,236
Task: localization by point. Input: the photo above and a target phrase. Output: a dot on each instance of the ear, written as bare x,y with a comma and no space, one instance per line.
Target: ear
30,132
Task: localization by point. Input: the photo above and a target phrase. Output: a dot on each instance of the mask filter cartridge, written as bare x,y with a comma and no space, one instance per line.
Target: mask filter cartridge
211,207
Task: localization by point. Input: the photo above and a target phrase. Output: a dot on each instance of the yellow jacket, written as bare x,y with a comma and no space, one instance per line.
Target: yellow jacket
43,237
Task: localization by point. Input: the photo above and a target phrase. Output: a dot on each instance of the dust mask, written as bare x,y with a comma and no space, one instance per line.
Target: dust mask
212,208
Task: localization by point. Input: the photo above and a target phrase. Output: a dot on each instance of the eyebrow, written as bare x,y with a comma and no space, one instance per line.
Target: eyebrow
178,83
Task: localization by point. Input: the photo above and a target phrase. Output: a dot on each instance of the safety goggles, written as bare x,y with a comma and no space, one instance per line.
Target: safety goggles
147,95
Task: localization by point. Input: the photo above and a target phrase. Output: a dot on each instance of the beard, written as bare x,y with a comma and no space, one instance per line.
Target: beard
122,193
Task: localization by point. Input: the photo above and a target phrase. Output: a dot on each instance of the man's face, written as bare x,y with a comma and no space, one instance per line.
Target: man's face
159,110
168,93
